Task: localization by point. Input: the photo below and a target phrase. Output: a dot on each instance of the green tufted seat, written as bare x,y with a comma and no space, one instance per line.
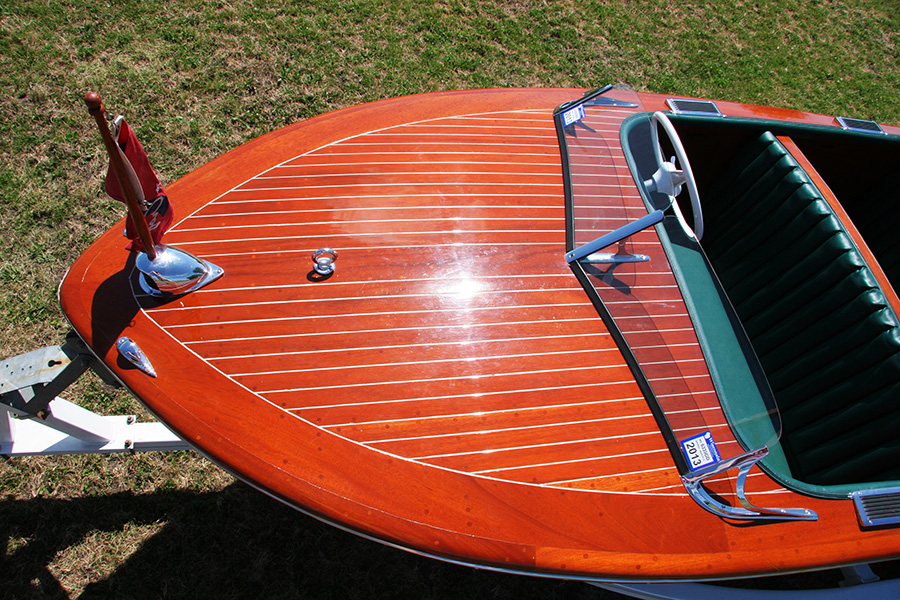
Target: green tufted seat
823,331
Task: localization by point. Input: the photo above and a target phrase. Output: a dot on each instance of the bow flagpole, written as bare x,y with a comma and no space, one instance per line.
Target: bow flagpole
95,107
164,271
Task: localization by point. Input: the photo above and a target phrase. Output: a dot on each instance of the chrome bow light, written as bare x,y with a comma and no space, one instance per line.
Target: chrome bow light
133,354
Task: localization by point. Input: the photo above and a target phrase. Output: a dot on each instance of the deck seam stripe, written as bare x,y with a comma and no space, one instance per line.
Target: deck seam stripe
381,281
536,446
367,174
360,298
571,461
369,208
379,313
657,470
429,345
208,340
369,222
361,248
477,395
406,163
480,243
409,185
434,379
447,196
321,369
480,432
477,414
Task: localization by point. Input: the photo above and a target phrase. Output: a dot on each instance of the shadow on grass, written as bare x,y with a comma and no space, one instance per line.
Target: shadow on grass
236,543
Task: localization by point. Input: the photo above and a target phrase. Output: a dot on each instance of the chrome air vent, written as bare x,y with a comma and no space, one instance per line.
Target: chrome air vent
860,125
694,107
877,508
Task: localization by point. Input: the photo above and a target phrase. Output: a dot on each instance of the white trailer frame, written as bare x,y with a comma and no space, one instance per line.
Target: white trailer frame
34,420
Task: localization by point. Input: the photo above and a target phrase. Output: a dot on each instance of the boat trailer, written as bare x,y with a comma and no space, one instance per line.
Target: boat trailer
34,420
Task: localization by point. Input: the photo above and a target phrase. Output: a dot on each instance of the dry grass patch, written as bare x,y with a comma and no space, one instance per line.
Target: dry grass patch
98,555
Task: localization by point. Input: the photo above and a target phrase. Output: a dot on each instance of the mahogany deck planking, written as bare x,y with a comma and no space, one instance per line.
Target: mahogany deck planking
544,460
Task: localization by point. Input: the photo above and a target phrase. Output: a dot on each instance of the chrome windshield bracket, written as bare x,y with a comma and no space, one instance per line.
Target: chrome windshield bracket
620,256
693,483
614,237
610,258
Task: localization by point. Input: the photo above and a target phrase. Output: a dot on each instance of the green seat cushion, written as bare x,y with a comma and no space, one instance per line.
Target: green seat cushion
827,340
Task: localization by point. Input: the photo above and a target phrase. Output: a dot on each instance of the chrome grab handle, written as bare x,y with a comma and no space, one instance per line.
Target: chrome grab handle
693,483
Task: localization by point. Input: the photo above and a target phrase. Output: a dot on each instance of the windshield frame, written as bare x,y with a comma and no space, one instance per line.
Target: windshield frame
569,126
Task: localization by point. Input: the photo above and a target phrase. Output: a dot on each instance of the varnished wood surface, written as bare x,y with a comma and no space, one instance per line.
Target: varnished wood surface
451,388
451,334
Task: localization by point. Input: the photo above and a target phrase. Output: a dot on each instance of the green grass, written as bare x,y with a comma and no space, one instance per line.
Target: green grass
197,78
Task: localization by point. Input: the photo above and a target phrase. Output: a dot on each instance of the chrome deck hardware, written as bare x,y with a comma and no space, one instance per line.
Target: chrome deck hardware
588,251
621,255
174,272
877,507
693,483
133,354
860,125
683,106
323,260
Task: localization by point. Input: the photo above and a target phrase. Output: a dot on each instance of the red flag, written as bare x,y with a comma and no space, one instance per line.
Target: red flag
149,192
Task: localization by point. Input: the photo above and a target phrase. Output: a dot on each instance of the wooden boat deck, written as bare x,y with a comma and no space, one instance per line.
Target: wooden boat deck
451,388
356,354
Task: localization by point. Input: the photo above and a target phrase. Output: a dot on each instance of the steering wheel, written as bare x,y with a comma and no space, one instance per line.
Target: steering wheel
668,179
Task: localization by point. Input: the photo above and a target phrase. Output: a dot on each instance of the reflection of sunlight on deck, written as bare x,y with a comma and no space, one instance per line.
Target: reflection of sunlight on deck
463,289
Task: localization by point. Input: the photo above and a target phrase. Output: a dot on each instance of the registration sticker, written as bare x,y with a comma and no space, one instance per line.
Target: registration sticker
572,115
700,450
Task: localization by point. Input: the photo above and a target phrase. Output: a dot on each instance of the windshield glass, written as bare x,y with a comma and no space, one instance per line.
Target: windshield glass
692,372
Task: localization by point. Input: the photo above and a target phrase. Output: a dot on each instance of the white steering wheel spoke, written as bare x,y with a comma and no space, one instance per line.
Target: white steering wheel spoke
669,178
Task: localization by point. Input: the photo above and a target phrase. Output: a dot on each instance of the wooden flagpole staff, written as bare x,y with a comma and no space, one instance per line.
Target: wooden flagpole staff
95,107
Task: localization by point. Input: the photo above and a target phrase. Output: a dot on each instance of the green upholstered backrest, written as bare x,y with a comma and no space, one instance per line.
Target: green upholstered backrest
821,327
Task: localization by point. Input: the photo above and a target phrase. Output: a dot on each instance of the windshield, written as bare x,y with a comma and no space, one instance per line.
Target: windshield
635,275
